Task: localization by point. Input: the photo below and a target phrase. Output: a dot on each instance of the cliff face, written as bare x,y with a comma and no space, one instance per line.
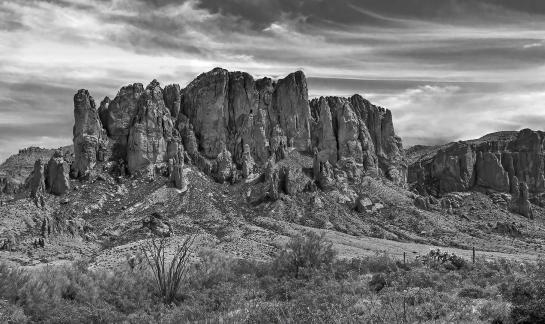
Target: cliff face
504,164
353,128
14,172
229,124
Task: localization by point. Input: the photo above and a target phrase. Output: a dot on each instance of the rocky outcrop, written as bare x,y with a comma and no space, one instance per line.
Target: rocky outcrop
151,130
117,115
89,135
173,99
355,129
520,202
205,102
291,111
248,163
224,166
37,180
494,162
57,172
231,124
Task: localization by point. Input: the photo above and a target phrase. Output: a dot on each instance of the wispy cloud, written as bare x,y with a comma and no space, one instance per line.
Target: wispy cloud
448,69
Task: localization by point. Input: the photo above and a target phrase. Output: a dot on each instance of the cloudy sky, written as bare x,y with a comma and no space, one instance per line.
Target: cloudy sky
449,70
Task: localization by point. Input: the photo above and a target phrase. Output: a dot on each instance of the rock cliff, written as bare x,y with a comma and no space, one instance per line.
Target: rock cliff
230,125
503,162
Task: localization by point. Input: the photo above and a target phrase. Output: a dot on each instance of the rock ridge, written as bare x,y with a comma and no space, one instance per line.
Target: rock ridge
230,125
512,163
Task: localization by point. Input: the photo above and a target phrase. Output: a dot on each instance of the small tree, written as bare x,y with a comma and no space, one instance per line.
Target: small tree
168,276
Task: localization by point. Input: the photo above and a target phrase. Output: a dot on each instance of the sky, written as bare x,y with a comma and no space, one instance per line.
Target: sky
448,70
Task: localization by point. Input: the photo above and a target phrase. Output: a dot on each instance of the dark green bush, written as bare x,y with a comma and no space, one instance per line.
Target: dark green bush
305,255
528,299
472,292
438,258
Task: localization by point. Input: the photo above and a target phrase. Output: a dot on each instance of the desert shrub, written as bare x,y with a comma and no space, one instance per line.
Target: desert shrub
304,255
168,275
371,264
377,282
472,292
495,311
527,296
73,294
11,313
438,258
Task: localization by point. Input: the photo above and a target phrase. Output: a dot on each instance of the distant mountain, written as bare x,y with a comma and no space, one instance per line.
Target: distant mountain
16,169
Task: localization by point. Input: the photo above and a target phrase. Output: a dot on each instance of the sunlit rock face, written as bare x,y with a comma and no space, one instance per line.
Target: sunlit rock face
90,138
230,125
499,163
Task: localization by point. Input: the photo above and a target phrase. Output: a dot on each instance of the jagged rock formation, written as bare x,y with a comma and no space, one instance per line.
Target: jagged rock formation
57,172
51,177
150,131
15,171
37,182
89,135
116,117
230,126
504,162
520,202
354,129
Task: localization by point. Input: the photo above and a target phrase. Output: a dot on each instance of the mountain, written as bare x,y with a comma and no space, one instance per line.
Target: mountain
17,168
508,162
245,164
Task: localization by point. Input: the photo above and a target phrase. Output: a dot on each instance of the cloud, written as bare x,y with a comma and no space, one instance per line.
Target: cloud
427,60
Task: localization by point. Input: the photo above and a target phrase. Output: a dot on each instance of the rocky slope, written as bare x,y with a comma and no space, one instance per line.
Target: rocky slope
246,163
508,162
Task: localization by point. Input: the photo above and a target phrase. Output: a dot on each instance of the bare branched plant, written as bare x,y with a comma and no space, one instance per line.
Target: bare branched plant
168,275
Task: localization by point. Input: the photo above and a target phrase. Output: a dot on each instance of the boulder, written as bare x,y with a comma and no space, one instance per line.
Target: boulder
422,203
158,226
364,204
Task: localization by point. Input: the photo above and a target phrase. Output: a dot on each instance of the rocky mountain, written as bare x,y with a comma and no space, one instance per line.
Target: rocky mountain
230,126
15,171
246,163
508,162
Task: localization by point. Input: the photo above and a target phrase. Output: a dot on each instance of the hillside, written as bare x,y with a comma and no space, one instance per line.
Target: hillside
338,168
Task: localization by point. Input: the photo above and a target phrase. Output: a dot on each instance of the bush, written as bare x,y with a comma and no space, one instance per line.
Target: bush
168,276
472,292
305,255
528,299
437,258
